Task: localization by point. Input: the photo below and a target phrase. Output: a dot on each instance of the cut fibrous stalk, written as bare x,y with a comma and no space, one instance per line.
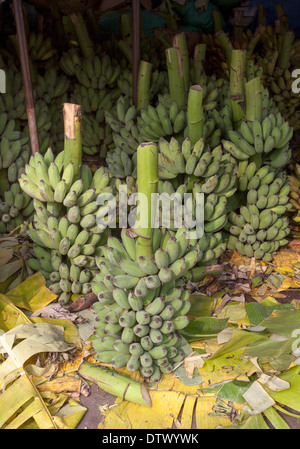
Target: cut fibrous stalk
237,88
111,382
85,43
143,86
253,96
180,42
175,74
195,116
73,136
147,181
199,58
225,43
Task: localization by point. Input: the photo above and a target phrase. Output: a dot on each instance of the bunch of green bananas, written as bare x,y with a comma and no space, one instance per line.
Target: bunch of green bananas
287,102
44,125
294,180
69,60
96,137
259,228
269,138
214,171
142,303
122,121
99,73
12,102
15,206
121,164
40,47
65,227
52,85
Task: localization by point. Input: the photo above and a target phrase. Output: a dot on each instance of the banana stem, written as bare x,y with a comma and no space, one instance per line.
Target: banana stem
85,43
73,136
218,25
237,87
143,85
225,43
175,74
147,181
282,17
112,382
261,17
126,49
195,116
253,95
255,39
199,58
285,50
125,27
180,41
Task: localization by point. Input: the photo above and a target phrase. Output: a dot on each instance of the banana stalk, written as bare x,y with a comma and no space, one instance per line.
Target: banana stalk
199,57
175,74
116,384
255,40
226,44
147,181
285,50
218,25
195,116
143,88
180,41
83,37
237,88
253,95
73,137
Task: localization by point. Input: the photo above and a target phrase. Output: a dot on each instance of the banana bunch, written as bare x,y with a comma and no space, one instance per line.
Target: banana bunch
99,73
260,226
44,125
269,138
294,180
52,85
214,207
164,120
40,47
66,221
96,136
15,206
69,60
287,102
124,82
214,171
12,103
122,121
121,164
93,100
142,303
295,54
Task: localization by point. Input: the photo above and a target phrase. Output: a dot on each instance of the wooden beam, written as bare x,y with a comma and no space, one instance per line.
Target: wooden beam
21,37
135,47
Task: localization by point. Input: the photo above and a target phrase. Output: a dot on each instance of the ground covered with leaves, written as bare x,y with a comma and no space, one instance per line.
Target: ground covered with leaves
242,365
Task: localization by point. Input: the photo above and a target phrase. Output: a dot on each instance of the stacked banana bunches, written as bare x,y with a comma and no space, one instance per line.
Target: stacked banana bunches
15,205
65,230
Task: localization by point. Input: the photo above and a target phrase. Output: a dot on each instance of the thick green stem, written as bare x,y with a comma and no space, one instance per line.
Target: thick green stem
125,27
85,43
282,17
261,17
255,39
237,87
126,49
143,86
285,50
116,384
226,45
199,58
147,180
180,42
253,95
175,74
73,137
217,18
195,116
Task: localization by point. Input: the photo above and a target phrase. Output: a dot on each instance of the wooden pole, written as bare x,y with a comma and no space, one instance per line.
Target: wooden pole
135,47
21,37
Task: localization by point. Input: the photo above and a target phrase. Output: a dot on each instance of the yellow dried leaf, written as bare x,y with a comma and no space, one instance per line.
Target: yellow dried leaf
62,384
